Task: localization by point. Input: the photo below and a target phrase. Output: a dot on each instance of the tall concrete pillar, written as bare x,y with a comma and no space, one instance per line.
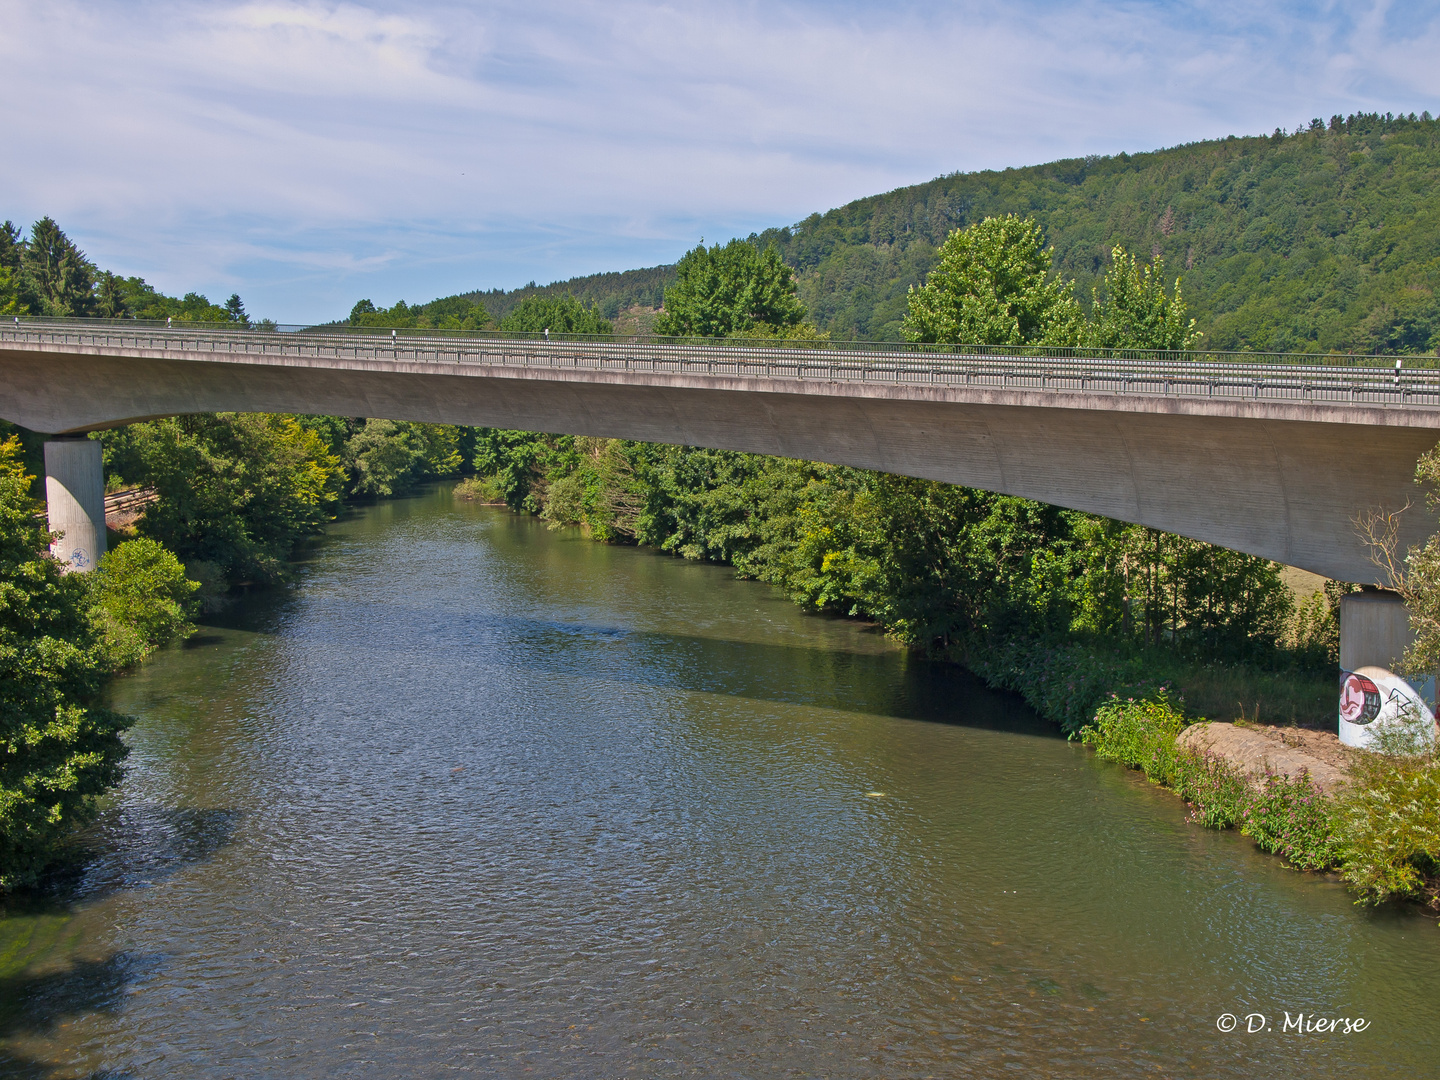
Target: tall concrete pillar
1374,630
75,499
1374,634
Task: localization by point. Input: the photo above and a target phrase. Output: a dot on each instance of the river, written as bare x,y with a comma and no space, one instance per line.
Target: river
475,798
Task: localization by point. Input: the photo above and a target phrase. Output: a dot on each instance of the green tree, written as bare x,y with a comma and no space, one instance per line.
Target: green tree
447,313
1134,311
110,299
993,286
521,463
387,456
726,290
235,310
12,247
558,314
11,294
140,599
238,490
58,271
58,753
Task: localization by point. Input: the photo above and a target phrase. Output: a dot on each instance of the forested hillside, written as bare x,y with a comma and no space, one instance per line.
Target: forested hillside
1325,239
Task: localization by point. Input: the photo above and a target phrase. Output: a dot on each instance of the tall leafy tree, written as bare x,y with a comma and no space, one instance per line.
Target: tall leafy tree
727,290
58,271
1135,312
993,286
58,753
11,294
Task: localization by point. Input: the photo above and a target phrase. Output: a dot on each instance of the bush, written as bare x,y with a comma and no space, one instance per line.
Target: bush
564,501
140,599
1216,791
1142,734
481,489
1390,825
1139,734
1291,818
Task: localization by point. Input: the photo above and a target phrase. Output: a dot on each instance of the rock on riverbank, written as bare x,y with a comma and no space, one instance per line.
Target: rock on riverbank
1256,751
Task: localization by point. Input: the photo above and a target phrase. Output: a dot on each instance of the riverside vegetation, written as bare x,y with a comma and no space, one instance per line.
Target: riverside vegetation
1116,632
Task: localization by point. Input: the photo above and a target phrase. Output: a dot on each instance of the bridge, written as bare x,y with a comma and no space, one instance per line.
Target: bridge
1271,455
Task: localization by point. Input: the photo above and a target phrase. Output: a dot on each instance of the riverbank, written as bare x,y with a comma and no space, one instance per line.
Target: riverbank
1369,817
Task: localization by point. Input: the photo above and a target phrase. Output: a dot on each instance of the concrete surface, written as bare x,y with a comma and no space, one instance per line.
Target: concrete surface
1283,480
75,501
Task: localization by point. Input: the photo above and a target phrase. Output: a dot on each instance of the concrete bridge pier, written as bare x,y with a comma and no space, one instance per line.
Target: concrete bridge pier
1374,630
75,500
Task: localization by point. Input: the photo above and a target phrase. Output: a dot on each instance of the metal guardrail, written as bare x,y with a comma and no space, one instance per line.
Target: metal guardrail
1371,380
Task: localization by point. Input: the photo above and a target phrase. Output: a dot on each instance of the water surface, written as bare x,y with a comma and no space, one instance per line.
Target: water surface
476,798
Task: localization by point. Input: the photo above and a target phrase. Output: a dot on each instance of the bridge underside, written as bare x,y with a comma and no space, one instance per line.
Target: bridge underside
1281,481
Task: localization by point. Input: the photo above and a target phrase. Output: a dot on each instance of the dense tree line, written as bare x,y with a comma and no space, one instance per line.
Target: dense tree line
941,567
1322,239
45,273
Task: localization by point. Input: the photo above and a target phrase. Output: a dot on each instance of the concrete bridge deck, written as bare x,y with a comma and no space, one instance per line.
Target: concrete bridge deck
1275,459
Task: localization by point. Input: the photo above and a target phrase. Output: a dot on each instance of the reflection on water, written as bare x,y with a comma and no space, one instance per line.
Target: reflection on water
477,798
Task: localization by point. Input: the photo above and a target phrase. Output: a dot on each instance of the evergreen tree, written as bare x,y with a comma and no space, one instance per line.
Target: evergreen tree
11,246
235,310
58,271
110,299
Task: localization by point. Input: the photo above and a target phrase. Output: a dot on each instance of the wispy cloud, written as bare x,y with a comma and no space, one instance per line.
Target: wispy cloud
308,153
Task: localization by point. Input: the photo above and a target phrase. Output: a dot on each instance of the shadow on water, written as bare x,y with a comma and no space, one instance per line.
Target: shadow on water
42,982
36,1004
890,683
134,847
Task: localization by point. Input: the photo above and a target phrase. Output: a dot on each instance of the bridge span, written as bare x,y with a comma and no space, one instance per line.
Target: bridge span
1271,456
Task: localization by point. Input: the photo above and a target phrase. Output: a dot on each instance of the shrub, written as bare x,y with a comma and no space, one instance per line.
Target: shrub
140,599
1137,733
1217,792
481,489
1141,733
1063,683
1290,817
1390,827
564,501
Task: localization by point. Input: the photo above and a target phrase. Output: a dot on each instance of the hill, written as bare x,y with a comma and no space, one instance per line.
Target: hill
1324,239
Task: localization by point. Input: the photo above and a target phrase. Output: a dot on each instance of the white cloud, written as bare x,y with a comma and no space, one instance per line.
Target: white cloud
308,153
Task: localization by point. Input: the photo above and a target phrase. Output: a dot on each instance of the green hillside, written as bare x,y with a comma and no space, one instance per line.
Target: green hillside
1326,239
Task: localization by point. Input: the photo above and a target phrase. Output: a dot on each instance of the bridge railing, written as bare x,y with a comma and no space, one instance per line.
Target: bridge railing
1369,380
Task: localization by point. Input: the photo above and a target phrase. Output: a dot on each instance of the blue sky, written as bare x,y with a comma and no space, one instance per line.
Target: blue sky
309,154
